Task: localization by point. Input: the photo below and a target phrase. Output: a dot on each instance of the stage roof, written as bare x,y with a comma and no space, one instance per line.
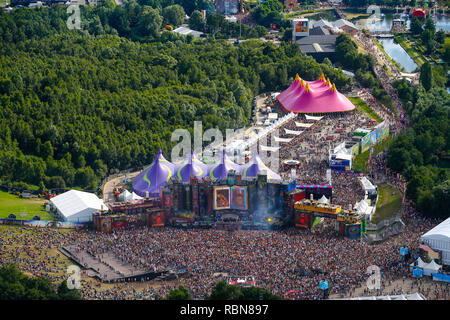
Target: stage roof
440,232
160,171
155,176
193,167
77,206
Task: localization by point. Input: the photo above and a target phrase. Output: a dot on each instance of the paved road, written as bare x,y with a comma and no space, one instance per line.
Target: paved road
108,194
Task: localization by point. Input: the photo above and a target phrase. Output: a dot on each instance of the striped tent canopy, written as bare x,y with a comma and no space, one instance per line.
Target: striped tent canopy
155,176
192,167
220,171
256,166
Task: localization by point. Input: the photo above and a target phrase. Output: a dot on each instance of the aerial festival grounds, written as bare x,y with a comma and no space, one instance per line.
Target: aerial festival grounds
288,228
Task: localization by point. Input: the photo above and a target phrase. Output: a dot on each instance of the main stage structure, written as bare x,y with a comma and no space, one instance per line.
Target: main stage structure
224,196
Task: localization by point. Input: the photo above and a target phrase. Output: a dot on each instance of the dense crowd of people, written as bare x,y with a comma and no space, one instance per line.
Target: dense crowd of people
381,67
291,261
312,149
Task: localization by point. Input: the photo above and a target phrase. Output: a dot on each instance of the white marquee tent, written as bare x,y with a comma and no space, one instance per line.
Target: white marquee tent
438,238
363,208
431,268
323,200
367,185
76,206
128,196
418,263
271,149
303,125
293,132
313,118
278,139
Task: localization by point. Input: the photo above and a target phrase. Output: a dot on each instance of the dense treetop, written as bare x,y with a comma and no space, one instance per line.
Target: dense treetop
422,153
78,103
14,285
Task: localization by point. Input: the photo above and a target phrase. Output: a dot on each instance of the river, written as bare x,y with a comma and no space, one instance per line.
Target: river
398,54
384,22
394,50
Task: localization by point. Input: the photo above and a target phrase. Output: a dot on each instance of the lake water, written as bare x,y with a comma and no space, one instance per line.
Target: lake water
398,54
384,23
394,50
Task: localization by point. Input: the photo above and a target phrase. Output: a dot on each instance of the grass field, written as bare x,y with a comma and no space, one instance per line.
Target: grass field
360,162
365,108
389,202
416,56
23,209
305,13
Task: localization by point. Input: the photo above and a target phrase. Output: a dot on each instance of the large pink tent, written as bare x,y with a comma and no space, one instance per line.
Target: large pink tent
319,96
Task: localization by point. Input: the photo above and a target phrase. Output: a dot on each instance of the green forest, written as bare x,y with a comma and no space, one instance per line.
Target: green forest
79,104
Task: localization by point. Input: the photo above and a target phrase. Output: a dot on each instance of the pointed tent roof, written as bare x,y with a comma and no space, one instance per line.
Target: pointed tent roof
255,166
220,171
154,177
314,97
432,266
193,167
420,263
323,199
292,87
134,196
125,196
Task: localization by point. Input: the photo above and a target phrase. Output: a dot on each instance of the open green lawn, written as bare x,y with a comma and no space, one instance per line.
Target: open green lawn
412,51
305,13
23,209
389,202
360,161
357,101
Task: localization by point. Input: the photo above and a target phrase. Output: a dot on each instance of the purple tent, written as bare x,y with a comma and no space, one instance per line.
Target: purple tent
193,167
154,177
255,166
220,171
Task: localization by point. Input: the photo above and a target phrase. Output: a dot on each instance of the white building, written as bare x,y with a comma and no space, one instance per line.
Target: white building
346,26
76,206
185,31
438,239
323,23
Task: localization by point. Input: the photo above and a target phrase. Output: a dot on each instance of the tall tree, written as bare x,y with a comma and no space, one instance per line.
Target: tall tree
180,293
426,75
196,21
149,22
173,15
416,26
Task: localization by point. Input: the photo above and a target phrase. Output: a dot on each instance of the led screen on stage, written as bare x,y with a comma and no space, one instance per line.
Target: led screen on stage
239,198
221,198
